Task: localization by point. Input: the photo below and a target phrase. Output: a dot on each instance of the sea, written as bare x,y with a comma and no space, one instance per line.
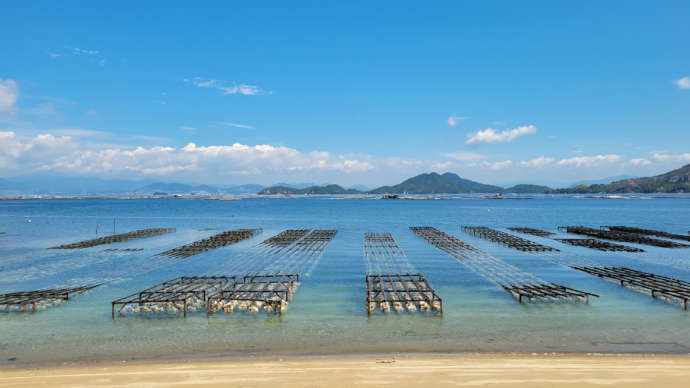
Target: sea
328,315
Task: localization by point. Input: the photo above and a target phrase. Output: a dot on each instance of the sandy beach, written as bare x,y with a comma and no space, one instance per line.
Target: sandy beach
482,370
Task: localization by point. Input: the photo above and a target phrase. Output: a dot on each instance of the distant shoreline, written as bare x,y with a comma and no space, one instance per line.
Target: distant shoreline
487,196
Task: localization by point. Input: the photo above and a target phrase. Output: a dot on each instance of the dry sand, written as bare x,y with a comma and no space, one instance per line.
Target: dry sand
409,371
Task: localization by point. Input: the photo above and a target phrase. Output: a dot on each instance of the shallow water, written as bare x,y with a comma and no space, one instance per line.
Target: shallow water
327,314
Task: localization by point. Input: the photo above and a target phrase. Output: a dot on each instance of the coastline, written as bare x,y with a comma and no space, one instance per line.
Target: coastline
467,369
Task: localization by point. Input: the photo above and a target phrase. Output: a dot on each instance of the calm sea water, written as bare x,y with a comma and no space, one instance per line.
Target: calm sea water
327,314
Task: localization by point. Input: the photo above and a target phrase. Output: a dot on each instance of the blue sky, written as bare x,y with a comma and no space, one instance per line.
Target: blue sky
363,92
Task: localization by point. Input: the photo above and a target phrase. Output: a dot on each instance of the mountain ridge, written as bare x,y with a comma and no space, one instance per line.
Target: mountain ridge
675,181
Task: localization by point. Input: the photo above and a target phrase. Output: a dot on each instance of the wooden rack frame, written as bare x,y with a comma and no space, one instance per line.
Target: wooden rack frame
407,291
216,241
285,238
598,244
175,294
506,239
272,292
545,291
116,238
23,299
649,232
655,285
621,236
532,231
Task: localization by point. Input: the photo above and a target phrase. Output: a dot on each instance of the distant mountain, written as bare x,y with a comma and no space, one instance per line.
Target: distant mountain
602,181
527,189
36,184
433,183
676,181
302,185
328,189
359,187
182,188
177,188
42,184
243,189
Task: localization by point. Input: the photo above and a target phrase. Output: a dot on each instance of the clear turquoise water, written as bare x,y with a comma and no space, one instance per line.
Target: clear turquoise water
328,315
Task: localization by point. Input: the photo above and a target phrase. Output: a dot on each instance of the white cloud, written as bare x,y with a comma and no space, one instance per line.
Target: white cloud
244,89
77,50
491,165
683,83
500,165
441,166
453,120
237,125
588,161
465,156
537,163
666,157
187,128
639,162
66,154
78,132
490,135
9,93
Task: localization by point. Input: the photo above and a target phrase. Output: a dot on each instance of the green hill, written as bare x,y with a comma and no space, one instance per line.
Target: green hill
434,183
328,189
528,189
676,181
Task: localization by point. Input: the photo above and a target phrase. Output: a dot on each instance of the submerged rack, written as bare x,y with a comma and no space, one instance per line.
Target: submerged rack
598,244
649,232
506,239
532,231
176,295
381,244
407,291
545,291
656,285
115,238
272,292
37,299
520,284
315,242
213,242
621,236
285,238
441,240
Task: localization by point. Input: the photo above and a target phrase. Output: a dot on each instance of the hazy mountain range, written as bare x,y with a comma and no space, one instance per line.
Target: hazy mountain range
430,183
676,181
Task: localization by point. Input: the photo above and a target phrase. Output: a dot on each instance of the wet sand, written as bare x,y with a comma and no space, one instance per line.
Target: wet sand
482,370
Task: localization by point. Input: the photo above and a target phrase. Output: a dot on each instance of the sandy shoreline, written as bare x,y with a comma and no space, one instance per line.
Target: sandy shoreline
521,370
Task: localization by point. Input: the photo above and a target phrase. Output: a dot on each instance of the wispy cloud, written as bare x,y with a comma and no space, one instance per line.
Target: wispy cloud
667,157
187,128
541,161
238,125
9,93
78,132
66,154
465,156
492,165
683,83
588,161
244,89
454,120
491,135
639,162
79,51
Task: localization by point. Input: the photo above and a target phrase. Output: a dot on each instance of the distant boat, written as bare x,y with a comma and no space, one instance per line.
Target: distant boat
390,196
